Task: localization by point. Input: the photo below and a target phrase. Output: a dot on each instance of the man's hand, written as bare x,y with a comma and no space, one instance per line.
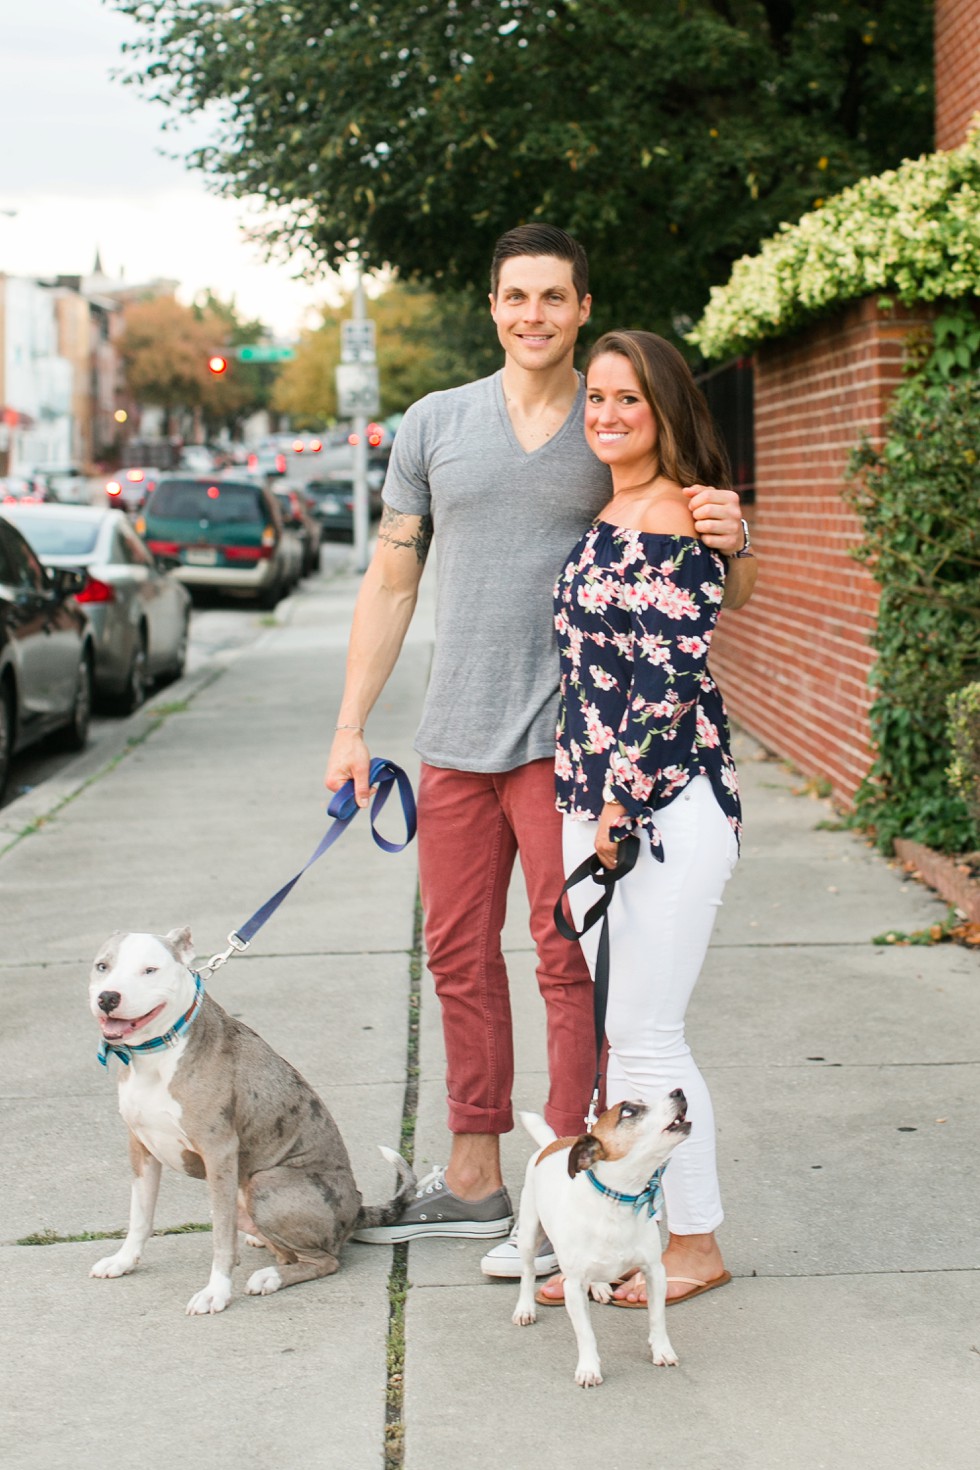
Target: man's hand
717,517
349,759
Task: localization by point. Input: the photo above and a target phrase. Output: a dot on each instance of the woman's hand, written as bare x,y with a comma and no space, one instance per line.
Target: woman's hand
606,848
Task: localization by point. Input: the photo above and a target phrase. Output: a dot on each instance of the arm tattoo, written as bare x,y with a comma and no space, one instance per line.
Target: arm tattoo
394,531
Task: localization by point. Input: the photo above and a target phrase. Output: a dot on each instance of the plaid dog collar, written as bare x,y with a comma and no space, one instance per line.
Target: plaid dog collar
651,1195
156,1043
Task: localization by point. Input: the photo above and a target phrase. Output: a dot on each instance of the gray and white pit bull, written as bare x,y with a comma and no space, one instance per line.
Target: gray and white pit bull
217,1103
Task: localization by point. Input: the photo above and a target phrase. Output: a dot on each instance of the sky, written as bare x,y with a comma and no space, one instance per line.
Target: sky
84,166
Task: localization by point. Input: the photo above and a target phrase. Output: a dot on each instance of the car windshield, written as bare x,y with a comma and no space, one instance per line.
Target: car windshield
221,503
321,488
51,535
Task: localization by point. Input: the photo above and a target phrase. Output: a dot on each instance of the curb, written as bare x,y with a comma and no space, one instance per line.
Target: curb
948,877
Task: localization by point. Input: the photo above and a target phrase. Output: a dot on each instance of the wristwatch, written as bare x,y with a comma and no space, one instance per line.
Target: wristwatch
747,548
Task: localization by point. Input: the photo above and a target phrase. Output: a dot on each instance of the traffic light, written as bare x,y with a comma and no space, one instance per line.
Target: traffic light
217,364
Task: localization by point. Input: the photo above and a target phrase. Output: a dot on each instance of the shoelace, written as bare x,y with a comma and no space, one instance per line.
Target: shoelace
432,1182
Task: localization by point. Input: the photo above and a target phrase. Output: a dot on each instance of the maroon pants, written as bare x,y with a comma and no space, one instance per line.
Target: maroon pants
471,828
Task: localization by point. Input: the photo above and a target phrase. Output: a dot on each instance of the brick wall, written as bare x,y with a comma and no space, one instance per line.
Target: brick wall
957,69
794,664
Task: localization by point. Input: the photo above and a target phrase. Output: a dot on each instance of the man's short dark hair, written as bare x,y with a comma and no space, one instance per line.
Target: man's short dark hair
541,240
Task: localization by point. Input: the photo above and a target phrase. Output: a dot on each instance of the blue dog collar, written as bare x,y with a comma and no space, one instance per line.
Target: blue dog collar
651,1196
157,1043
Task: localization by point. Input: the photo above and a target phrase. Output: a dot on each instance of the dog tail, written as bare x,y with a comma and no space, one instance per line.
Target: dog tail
538,1129
389,1213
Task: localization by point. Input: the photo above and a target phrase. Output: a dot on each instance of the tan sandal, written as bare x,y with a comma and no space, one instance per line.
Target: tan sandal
697,1288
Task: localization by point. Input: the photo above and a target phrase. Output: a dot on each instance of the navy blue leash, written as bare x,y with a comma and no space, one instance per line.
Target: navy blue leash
385,776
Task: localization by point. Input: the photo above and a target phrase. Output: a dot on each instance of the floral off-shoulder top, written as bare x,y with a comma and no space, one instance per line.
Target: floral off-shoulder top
640,714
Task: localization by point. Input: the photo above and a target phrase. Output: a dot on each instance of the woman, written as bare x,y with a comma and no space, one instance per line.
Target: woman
643,746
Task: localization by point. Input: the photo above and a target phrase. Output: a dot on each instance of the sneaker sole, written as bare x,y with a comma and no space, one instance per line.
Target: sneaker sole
447,1230
511,1270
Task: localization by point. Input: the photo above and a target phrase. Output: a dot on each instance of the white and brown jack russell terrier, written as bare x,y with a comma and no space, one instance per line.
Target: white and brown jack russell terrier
595,1198
207,1096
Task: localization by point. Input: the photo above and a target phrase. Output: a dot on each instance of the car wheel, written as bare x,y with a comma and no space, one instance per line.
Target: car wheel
176,670
6,734
75,734
270,598
138,678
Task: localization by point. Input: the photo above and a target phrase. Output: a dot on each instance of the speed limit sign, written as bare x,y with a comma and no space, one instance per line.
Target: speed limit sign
357,389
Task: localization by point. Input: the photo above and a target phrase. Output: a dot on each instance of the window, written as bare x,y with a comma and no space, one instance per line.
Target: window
26,570
729,391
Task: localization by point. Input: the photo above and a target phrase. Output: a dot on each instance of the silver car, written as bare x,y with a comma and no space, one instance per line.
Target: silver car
139,614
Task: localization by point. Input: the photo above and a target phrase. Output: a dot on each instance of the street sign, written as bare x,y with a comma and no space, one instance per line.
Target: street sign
357,340
264,352
357,389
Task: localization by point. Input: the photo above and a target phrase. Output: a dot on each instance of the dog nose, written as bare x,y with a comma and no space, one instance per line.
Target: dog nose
109,1001
677,1093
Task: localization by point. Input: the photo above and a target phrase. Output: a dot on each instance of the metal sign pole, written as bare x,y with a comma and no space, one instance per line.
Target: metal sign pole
361,516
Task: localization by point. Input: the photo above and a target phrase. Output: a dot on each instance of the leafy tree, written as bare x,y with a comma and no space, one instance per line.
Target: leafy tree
917,496
165,350
420,349
670,138
247,386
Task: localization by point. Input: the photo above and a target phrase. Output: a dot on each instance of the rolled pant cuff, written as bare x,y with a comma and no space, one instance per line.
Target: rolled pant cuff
463,1119
566,1125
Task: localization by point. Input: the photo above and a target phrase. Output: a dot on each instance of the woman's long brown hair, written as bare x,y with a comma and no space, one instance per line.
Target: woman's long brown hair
689,450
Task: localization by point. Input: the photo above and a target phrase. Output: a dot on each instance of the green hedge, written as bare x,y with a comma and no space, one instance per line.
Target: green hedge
919,499
913,233
964,740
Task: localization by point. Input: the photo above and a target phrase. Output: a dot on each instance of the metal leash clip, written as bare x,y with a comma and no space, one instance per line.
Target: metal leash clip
236,945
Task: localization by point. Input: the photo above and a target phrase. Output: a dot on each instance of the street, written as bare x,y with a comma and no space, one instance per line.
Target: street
216,630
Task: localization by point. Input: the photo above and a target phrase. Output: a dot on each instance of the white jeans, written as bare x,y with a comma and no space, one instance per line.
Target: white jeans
660,922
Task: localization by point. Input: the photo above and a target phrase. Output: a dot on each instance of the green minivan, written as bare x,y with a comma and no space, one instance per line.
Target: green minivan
227,535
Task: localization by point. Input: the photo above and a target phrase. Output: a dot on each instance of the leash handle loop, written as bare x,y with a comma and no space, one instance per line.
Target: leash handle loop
384,775
606,878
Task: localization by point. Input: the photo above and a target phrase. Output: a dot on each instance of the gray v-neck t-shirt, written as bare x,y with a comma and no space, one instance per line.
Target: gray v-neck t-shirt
504,522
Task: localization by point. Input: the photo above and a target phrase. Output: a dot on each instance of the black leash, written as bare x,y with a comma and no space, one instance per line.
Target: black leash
606,878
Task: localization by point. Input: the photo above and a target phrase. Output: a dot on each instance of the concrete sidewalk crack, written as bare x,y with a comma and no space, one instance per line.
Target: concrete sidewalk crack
398,1276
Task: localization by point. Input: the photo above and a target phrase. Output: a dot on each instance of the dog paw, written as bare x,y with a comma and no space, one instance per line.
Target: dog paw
117,1265
600,1291
664,1357
524,1317
587,1375
264,1282
205,1303
256,1241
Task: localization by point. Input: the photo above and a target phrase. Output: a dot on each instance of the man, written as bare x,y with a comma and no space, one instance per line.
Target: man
500,469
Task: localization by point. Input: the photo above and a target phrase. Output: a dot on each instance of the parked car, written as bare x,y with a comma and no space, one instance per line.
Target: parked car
266,460
66,484
304,443
333,504
139,614
198,458
298,516
24,489
129,488
47,654
224,534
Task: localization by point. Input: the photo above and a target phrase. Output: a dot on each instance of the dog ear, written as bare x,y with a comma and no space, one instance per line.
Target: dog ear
584,1152
182,943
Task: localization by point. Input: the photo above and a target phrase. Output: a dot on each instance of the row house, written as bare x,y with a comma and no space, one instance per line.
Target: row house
62,392
36,380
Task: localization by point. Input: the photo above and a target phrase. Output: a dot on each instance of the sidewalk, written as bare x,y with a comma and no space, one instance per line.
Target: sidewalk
844,1078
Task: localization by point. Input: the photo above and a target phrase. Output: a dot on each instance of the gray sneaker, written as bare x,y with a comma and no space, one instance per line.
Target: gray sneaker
436,1211
505,1259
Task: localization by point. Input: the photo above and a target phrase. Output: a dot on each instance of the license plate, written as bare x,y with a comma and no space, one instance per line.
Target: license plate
201,557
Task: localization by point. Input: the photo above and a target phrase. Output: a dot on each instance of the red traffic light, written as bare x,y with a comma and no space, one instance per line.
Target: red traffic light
217,364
